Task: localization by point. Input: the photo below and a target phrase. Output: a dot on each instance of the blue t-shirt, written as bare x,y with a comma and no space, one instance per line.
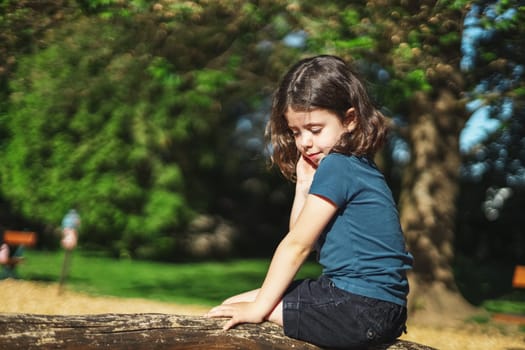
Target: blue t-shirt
71,220
362,250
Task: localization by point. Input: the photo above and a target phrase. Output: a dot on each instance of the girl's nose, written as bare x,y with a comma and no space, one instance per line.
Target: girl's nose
306,140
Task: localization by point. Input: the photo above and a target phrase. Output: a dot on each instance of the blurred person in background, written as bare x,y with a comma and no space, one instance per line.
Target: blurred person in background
70,226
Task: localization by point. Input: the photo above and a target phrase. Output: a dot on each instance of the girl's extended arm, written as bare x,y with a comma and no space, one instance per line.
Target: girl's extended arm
288,258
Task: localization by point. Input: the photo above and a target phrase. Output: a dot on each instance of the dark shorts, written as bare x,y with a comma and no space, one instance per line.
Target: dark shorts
318,312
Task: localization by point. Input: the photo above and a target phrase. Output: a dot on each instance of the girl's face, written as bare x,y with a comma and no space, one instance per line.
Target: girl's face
317,131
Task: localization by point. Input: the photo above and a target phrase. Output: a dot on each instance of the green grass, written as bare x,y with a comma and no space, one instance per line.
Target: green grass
205,283
511,304
488,284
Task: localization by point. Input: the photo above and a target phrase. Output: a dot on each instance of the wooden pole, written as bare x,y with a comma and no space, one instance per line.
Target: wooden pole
65,270
149,331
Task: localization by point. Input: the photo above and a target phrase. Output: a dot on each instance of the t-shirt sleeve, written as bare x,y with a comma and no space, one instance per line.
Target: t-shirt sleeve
330,182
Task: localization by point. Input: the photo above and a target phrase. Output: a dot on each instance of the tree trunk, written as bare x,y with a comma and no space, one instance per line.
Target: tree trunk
147,331
423,48
428,202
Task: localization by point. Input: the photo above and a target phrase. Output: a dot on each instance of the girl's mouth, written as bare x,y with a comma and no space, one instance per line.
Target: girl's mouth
314,158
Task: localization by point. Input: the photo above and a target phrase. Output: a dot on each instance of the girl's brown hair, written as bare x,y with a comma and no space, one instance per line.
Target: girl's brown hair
324,82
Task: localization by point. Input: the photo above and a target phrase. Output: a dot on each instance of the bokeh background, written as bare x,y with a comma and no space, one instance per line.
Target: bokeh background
148,118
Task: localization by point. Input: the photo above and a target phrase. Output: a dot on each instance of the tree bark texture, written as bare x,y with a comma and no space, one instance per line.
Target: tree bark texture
435,112
430,187
430,184
435,118
147,331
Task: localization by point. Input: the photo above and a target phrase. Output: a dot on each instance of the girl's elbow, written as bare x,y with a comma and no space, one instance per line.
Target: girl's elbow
299,248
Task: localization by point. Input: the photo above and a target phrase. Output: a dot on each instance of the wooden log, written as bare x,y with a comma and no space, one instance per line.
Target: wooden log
148,331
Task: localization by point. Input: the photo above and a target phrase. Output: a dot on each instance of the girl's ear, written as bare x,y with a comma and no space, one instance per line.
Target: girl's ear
350,121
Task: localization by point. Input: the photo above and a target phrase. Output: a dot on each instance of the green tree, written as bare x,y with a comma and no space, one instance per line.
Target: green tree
135,128
82,134
423,51
494,165
22,24
411,51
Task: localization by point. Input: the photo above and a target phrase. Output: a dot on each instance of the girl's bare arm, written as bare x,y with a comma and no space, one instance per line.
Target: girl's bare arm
305,173
288,258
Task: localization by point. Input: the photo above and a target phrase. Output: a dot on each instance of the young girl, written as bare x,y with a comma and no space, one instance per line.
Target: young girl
324,133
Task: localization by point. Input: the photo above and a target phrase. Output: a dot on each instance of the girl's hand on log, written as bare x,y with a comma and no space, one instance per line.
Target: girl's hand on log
244,312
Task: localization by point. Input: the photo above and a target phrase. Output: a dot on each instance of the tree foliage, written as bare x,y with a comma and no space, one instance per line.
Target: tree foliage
127,117
494,166
144,115
410,50
496,70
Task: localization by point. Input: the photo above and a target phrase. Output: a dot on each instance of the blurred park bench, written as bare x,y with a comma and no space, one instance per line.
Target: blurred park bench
13,245
518,282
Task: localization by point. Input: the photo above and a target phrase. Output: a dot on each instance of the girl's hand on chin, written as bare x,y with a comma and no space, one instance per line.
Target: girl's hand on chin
305,170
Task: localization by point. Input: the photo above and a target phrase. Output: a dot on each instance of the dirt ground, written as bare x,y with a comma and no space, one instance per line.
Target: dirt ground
19,296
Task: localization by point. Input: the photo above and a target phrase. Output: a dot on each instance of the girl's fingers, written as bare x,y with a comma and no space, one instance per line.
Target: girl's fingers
309,161
213,313
237,313
220,311
230,324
